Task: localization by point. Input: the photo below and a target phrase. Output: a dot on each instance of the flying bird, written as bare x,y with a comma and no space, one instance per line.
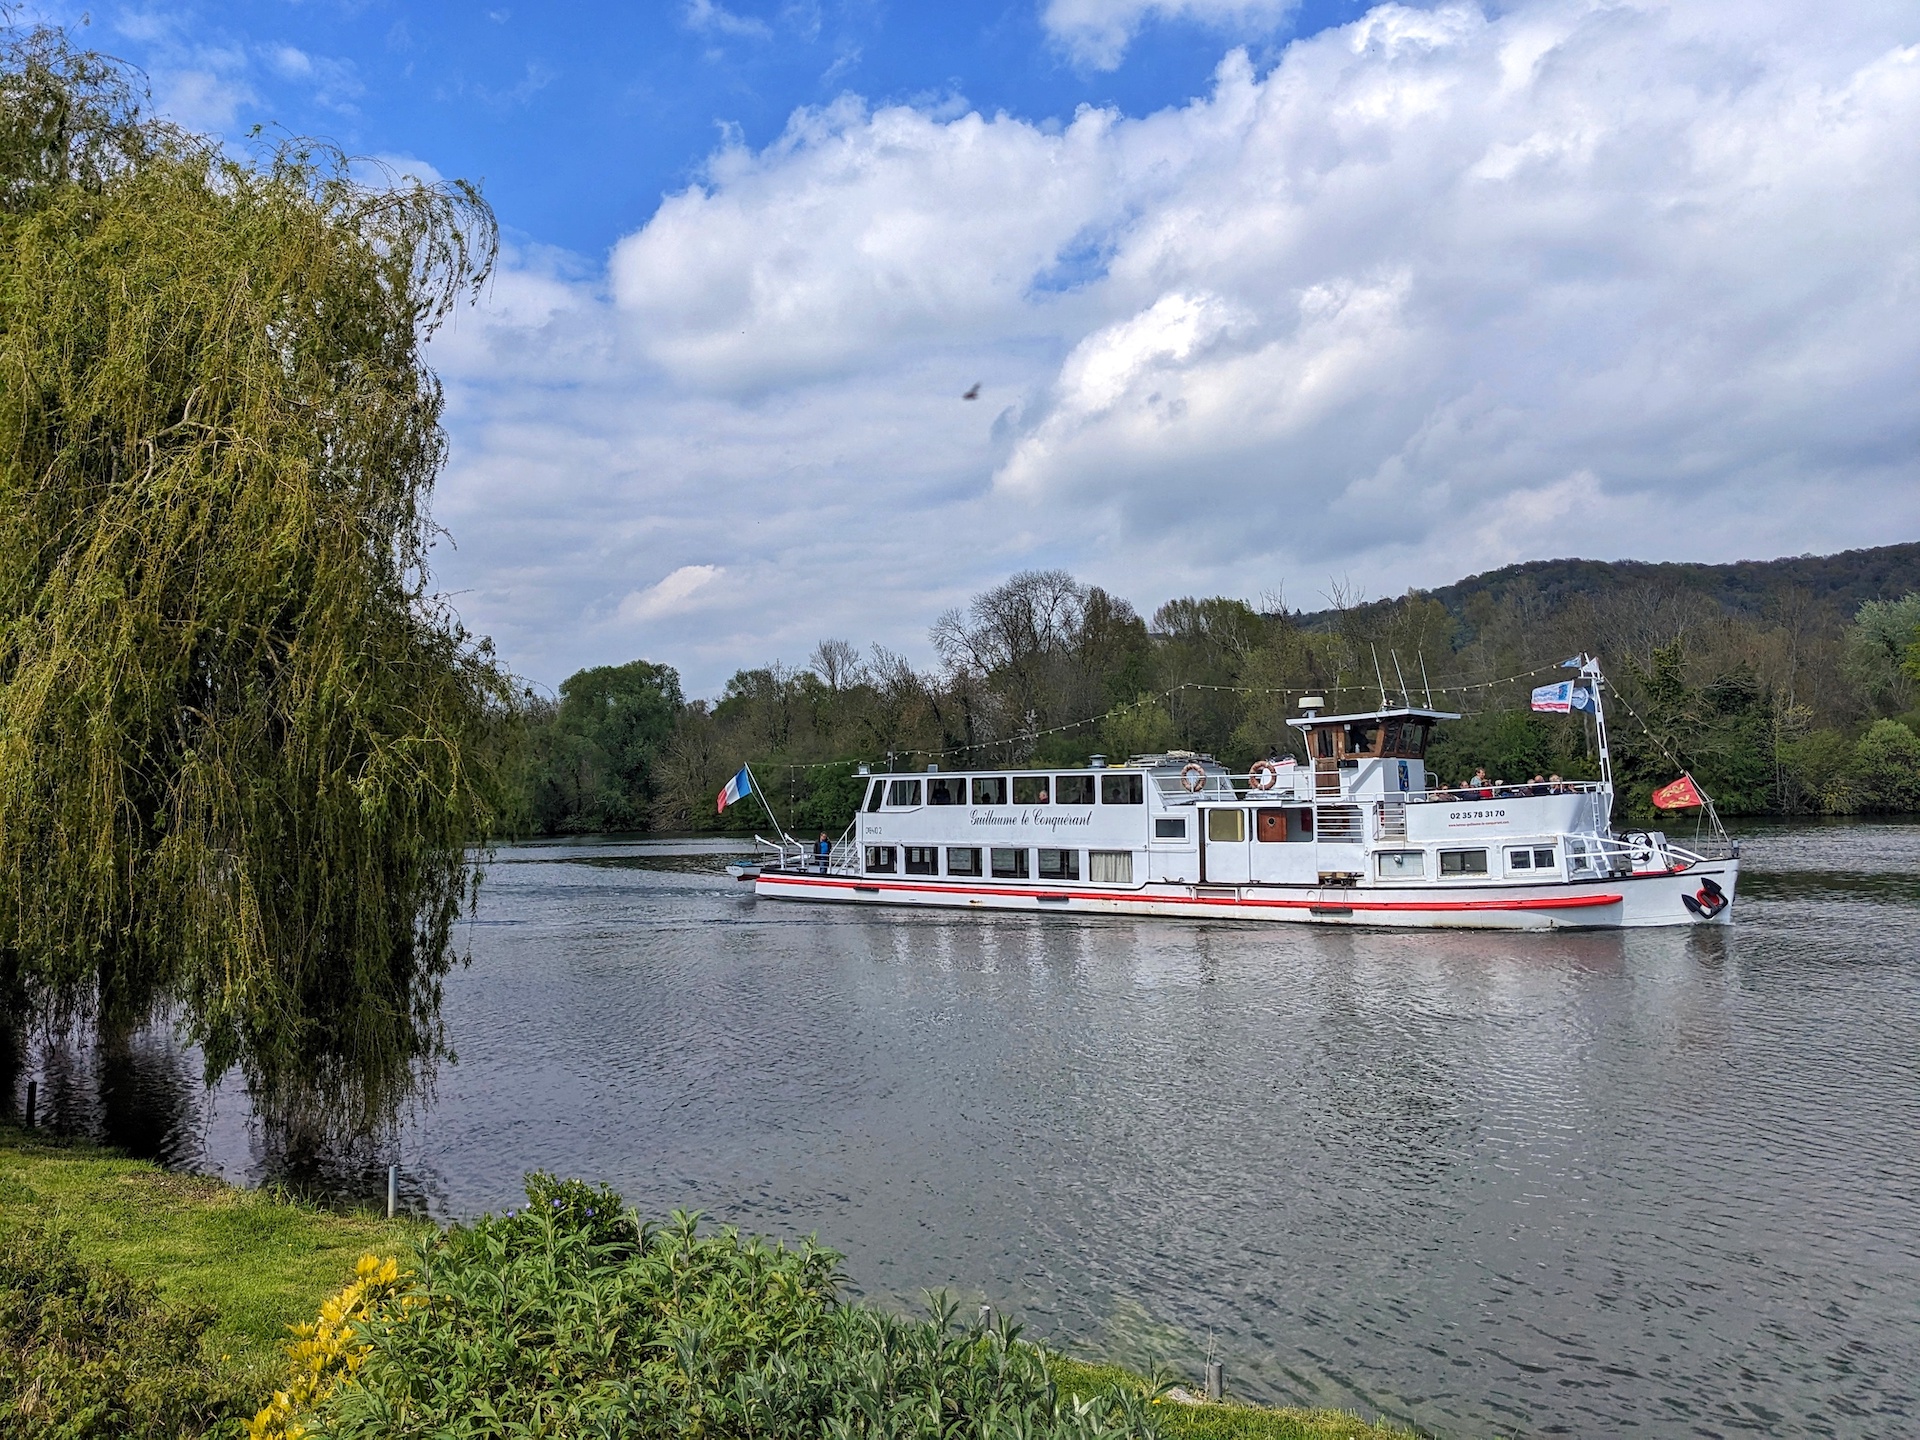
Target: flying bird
974,393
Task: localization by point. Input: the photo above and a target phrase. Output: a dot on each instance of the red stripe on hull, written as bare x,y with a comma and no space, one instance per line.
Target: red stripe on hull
1336,901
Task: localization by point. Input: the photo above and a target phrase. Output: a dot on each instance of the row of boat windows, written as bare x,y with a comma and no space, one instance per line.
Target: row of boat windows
1412,864
997,862
1113,789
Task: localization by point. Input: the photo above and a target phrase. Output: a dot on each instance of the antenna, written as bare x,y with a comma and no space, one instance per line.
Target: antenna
1424,685
1400,676
1377,675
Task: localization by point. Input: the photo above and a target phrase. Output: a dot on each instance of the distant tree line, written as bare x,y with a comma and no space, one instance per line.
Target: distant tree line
1782,704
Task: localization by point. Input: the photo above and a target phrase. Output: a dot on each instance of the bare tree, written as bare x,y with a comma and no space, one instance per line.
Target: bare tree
837,664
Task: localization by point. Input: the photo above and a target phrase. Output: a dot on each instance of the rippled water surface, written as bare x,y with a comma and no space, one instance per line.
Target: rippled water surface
1659,1183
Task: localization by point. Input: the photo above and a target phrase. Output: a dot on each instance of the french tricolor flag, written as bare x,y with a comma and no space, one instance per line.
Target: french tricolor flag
737,788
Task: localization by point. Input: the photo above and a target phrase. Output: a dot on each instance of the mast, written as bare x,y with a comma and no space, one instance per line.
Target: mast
1590,672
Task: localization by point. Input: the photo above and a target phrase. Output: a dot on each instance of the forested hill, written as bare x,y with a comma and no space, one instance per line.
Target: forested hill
1841,583
1790,686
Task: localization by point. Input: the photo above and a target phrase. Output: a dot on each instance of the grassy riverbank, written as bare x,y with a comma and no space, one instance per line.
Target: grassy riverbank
261,1264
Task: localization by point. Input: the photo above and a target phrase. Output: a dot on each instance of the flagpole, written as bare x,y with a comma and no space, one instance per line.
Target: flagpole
753,780
1591,667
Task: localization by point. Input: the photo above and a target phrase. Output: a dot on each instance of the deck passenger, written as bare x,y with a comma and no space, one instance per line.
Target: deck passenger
1539,786
1557,786
823,851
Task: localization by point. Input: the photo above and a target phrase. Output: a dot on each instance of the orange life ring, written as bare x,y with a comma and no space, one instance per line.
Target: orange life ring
1193,779
1263,776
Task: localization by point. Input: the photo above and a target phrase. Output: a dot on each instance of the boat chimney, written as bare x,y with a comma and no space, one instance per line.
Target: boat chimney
1096,762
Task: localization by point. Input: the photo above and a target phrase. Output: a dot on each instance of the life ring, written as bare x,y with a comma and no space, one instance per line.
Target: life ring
1263,776
1193,779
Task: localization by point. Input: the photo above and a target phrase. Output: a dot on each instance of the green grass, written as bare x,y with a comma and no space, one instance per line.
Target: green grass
263,1263
1220,1422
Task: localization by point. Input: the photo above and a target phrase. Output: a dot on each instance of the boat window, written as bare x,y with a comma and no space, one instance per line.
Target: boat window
1519,859
1577,856
1030,789
1360,737
1110,867
880,859
903,792
1413,739
873,796
1009,864
1059,864
1323,743
1224,827
923,860
1122,790
963,862
1543,859
1170,828
1463,862
947,790
989,790
1073,789
1401,864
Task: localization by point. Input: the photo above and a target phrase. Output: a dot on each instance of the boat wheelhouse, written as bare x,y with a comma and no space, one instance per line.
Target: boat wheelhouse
1357,834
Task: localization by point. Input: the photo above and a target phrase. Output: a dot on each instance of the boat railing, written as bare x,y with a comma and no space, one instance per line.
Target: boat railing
796,856
1473,794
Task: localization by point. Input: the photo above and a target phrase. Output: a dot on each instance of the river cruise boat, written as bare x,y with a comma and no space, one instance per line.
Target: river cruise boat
1357,835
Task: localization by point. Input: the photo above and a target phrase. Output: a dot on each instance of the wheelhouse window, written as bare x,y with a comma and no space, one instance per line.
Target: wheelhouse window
880,859
1463,862
875,795
1226,827
1323,745
964,862
1401,864
1059,864
1009,864
1170,827
989,790
1361,737
1073,789
923,860
1032,790
1110,867
947,790
903,792
1122,790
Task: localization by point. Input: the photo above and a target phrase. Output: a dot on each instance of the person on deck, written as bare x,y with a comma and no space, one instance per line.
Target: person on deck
823,851
1481,783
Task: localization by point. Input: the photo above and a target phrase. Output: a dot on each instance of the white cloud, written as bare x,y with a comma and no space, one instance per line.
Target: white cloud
1439,291
671,596
1097,32
715,19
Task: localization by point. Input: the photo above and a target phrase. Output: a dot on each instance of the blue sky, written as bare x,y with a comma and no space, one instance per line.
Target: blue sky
578,118
1262,299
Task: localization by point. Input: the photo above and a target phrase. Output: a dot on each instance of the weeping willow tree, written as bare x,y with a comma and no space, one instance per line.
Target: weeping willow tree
243,749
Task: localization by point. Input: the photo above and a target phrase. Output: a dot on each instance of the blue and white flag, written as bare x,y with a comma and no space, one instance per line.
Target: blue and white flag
738,787
1557,697
1573,664
1582,698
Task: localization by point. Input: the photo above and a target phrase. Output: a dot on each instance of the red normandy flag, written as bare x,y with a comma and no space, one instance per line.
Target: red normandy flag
1681,794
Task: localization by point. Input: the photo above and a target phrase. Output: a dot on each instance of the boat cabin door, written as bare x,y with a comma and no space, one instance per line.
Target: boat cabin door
1224,855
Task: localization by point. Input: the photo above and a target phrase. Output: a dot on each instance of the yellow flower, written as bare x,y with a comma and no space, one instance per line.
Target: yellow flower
324,1352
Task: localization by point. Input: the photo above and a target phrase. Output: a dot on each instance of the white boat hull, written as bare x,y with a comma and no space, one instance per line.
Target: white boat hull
1658,898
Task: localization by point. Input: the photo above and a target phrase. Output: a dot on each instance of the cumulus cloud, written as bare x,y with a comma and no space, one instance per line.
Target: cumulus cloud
1097,32
1439,290
672,595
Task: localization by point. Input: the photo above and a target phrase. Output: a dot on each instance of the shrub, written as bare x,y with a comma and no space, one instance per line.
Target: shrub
1886,767
86,1351
574,1318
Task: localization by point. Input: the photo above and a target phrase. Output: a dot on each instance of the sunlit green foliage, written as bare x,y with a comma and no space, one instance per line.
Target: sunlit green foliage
575,1318
239,757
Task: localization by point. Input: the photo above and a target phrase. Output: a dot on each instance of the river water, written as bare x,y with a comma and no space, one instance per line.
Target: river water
1660,1183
